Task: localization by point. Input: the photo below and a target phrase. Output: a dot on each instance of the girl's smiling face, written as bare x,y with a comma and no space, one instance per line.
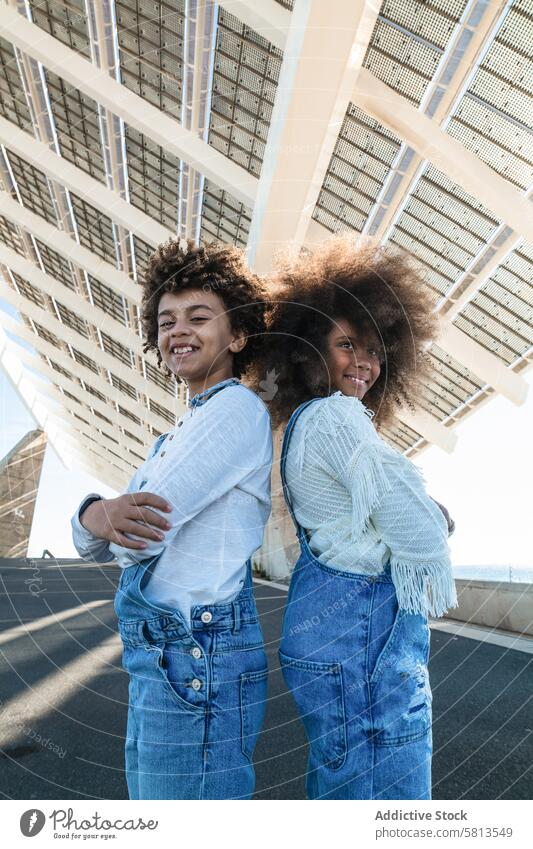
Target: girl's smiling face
353,358
195,338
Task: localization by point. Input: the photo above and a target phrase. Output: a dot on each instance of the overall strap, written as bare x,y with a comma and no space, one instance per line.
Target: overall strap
283,459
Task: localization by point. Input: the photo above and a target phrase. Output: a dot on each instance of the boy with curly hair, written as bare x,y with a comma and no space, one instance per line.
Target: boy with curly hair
184,533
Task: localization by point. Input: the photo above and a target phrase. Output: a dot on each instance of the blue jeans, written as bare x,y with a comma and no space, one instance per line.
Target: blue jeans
357,668
196,695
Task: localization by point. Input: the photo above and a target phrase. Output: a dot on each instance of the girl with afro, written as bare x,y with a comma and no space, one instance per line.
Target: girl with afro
347,333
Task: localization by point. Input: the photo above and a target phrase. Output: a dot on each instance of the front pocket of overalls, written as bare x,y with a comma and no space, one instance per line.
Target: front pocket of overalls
317,689
253,694
399,685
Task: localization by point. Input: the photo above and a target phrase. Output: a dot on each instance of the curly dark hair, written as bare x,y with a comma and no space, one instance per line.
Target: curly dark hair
213,267
379,290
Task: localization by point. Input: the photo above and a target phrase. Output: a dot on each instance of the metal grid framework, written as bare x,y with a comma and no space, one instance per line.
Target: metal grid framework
153,177
9,236
66,21
447,229
444,228
31,187
403,438
223,217
13,106
500,316
363,156
55,265
150,37
77,127
245,78
451,385
492,117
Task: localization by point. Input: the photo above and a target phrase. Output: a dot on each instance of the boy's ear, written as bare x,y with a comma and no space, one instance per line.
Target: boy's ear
238,343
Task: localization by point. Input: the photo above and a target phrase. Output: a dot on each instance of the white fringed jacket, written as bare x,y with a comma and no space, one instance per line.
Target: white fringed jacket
364,504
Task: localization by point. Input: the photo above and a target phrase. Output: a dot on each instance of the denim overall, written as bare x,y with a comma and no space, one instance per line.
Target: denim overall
357,668
197,692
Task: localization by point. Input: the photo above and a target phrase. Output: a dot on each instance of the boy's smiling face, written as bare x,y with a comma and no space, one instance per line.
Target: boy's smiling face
195,338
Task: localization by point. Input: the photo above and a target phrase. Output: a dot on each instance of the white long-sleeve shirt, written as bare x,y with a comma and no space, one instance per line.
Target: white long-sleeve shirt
213,468
364,504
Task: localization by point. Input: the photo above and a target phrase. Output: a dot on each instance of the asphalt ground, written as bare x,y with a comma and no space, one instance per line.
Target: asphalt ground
63,699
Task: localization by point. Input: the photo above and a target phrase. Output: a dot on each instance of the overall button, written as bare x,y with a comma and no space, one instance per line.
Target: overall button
163,453
206,617
196,683
196,652
179,424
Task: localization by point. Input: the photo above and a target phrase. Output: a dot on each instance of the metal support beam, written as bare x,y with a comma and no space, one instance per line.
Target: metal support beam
444,152
101,198
200,30
431,429
87,401
134,110
485,365
38,411
66,362
36,366
70,250
318,74
101,358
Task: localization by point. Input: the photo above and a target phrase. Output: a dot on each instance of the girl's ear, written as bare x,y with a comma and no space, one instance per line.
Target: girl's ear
238,342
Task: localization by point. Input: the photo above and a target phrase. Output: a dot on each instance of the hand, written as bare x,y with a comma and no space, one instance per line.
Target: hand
111,518
449,520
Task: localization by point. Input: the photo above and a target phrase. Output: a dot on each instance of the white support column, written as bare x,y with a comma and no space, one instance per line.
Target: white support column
484,364
134,110
431,429
444,152
318,74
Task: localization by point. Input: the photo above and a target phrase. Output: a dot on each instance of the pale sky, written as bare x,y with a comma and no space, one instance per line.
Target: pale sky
485,483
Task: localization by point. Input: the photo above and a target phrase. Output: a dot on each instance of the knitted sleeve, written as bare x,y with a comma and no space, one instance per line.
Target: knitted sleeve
388,493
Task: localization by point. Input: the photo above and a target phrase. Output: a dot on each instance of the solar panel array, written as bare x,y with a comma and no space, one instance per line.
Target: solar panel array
445,228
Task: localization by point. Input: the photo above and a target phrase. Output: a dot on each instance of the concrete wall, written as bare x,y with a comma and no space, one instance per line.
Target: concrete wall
495,604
